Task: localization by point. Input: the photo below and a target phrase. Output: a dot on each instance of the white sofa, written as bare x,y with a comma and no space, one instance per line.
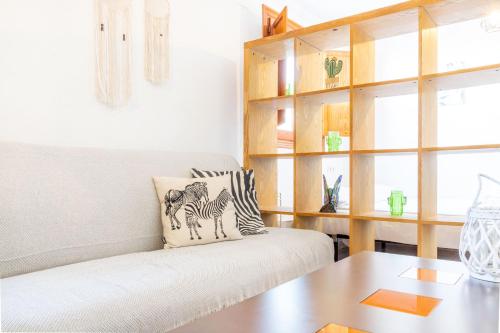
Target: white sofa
81,250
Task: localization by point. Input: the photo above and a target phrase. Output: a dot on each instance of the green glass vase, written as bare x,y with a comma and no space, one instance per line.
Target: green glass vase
334,141
396,202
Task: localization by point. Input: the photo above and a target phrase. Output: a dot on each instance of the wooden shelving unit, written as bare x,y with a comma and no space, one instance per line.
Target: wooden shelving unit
354,40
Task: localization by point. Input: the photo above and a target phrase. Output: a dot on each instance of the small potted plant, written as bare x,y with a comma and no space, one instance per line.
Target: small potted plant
333,68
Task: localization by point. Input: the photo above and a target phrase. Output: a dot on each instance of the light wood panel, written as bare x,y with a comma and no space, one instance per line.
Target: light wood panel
428,133
386,26
336,117
309,67
263,76
362,236
363,57
363,120
452,11
266,180
309,182
308,125
329,39
465,78
428,43
262,130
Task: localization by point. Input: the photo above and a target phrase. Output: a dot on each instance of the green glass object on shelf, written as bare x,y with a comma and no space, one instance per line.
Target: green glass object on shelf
396,202
334,141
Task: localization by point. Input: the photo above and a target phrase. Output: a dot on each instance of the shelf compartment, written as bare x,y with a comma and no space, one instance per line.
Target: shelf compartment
319,113
393,105
375,176
266,136
462,39
376,41
461,109
309,183
448,191
311,51
451,11
332,224
266,69
273,182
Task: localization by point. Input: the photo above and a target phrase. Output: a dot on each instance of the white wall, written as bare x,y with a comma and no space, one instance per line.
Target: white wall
47,78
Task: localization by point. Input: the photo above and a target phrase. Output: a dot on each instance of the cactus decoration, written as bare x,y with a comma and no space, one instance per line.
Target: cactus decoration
331,196
333,67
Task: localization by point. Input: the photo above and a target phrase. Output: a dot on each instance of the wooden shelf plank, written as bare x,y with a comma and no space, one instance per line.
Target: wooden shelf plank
404,86
464,78
385,151
272,155
278,102
449,220
277,210
326,96
385,217
324,153
461,148
341,214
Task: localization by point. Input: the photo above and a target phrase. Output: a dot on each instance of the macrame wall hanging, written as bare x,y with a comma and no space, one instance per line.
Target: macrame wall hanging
113,51
156,57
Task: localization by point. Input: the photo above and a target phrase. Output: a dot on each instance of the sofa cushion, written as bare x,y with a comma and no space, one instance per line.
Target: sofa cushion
65,205
159,290
196,212
245,198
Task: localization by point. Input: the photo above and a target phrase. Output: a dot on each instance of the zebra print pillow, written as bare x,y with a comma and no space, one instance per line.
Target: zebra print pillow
243,190
195,211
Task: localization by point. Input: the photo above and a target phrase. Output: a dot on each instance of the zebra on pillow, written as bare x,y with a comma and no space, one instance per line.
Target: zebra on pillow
206,211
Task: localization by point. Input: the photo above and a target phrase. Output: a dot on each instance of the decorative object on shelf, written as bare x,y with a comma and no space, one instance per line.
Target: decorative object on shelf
396,202
331,196
333,67
289,89
274,23
113,51
333,141
491,23
156,39
480,239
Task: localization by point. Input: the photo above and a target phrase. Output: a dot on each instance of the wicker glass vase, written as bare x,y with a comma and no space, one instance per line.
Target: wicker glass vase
480,238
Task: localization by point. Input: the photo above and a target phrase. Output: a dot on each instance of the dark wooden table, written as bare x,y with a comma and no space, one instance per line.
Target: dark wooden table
333,295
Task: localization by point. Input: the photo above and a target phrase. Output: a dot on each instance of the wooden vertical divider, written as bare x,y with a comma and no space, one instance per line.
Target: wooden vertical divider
428,109
362,123
309,183
309,125
362,57
266,182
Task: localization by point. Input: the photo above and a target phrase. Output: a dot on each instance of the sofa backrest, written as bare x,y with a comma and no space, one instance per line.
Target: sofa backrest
65,205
